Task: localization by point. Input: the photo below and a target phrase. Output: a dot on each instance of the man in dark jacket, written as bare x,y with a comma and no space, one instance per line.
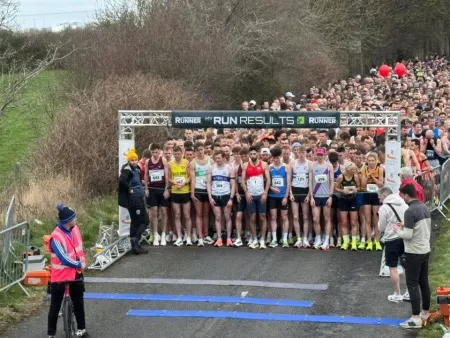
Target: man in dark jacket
132,197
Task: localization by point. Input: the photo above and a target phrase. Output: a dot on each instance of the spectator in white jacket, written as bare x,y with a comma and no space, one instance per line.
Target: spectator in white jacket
391,212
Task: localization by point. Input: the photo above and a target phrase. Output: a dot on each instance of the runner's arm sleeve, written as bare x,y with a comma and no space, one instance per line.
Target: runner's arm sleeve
61,253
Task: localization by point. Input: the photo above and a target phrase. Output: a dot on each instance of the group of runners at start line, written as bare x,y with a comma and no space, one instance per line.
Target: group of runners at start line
318,198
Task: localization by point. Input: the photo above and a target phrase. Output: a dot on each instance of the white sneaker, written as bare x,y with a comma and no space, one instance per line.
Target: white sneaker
317,245
269,238
339,242
412,323
208,240
156,240
331,242
194,238
163,242
178,242
285,244
306,244
298,244
262,245
169,237
238,242
188,241
406,296
200,242
324,247
273,244
184,238
396,298
424,316
253,245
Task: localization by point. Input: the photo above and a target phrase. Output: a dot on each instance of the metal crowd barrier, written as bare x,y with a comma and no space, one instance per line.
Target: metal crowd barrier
14,243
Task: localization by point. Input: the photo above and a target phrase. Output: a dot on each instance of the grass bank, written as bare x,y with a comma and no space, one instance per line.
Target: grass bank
29,118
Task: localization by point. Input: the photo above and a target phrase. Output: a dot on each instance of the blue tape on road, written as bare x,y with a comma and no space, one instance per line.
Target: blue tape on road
268,317
199,298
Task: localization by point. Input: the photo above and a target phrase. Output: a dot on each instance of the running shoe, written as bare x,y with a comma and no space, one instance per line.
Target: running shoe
332,242
219,243
250,242
298,244
178,242
395,298
200,242
369,246
339,242
215,236
412,323
345,246
185,238
317,245
354,246
306,244
262,245
285,244
291,240
253,245
208,240
194,238
188,241
362,246
229,242
325,247
378,246
82,334
150,238
269,238
156,240
406,296
238,242
163,241
273,244
169,237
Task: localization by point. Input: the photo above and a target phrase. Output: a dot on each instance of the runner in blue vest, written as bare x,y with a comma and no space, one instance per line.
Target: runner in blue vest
280,176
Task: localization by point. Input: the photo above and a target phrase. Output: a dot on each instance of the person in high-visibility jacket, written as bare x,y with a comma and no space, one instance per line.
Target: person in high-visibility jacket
68,262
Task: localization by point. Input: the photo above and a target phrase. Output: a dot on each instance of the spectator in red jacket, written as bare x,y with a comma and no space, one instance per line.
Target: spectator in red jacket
407,177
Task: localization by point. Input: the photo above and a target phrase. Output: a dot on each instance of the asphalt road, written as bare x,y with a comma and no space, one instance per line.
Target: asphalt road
354,289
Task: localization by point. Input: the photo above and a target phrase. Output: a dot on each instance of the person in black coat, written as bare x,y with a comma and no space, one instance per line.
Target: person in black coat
132,197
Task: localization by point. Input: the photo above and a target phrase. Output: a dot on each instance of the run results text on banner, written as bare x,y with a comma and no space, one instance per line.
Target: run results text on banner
254,119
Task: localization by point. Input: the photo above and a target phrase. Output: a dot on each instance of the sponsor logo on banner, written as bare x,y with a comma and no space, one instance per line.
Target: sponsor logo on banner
234,119
392,165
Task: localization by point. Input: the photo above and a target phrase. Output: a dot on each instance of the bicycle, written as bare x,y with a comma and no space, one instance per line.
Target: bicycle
67,312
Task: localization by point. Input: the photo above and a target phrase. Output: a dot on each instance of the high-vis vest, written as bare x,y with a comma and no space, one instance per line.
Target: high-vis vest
74,249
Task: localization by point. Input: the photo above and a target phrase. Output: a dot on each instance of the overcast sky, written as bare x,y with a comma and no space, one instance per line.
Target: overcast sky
51,13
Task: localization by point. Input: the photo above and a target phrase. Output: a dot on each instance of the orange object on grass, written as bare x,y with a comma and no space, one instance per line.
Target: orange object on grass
37,278
445,308
46,240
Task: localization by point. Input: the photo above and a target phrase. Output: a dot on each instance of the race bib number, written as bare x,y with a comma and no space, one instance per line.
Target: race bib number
156,175
430,154
179,179
321,178
372,188
219,185
278,182
255,182
300,179
349,189
203,180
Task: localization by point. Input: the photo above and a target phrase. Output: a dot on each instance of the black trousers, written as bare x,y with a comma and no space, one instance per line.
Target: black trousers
76,294
416,271
139,216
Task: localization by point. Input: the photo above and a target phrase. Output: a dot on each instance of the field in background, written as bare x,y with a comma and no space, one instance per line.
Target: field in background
27,119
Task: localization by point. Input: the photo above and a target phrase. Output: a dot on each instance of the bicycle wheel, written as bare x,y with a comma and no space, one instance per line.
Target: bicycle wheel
69,321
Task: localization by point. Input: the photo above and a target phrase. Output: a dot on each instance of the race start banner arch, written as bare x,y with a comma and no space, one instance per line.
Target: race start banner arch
128,120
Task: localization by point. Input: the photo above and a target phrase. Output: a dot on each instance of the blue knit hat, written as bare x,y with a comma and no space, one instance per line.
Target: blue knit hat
65,214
